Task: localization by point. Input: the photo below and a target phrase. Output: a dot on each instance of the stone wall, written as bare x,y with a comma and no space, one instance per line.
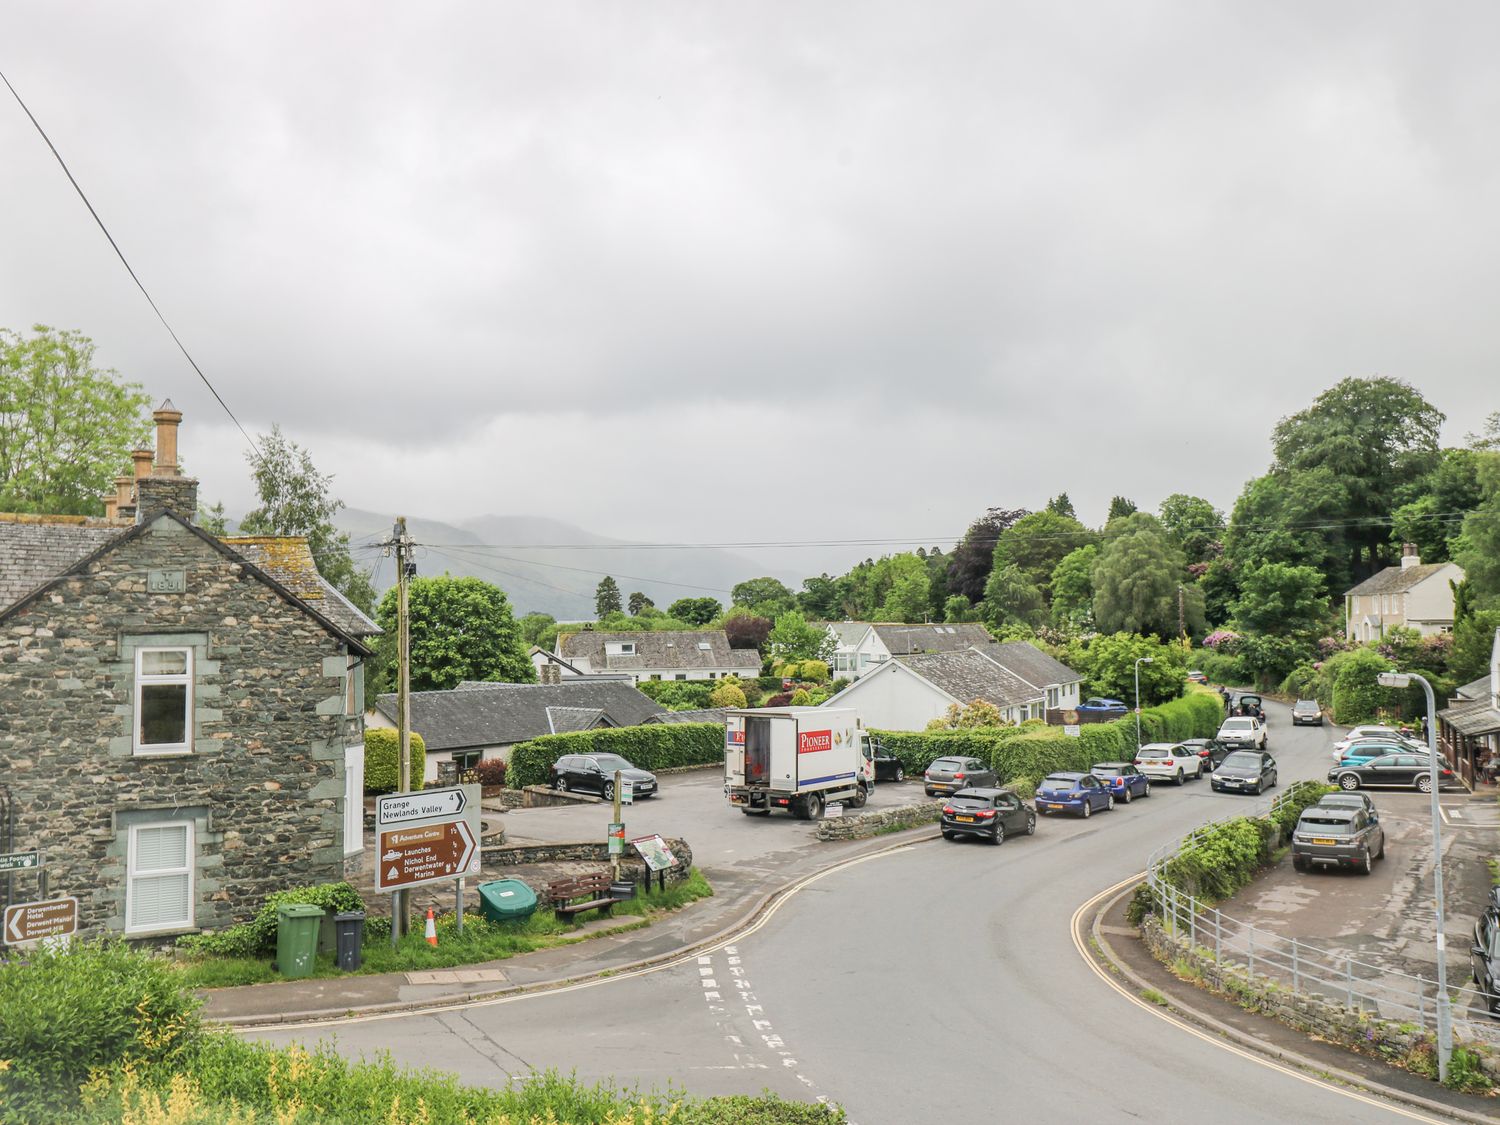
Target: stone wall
1355,1028
542,796
861,826
263,785
514,855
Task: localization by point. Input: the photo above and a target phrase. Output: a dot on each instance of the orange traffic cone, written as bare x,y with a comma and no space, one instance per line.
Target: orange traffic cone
431,929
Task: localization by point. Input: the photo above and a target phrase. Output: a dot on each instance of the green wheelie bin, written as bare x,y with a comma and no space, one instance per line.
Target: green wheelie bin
297,938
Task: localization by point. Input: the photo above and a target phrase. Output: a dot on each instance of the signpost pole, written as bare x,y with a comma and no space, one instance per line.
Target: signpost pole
399,918
615,857
458,903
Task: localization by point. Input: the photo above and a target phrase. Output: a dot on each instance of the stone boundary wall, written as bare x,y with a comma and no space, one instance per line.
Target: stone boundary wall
542,796
863,825
515,855
1354,1028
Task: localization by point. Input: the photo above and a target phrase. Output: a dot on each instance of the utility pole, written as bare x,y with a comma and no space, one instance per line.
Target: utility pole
1181,614
400,922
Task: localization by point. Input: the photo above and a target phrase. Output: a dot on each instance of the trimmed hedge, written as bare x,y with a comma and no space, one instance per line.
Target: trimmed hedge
655,746
383,759
1028,753
257,937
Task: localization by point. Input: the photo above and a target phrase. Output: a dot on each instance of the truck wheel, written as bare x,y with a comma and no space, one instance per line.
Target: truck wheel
860,797
814,806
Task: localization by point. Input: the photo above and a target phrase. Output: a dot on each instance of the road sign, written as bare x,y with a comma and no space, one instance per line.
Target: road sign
428,853
20,861
32,921
429,804
616,838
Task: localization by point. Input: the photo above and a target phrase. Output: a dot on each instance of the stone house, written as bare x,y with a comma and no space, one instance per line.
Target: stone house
1414,595
179,715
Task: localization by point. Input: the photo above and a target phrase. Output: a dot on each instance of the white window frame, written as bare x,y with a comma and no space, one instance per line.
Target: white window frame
354,799
131,874
154,749
351,680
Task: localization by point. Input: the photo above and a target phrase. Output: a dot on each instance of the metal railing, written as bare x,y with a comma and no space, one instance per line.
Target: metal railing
1336,975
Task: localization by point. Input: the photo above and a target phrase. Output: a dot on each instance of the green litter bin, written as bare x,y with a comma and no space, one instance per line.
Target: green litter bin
506,900
297,938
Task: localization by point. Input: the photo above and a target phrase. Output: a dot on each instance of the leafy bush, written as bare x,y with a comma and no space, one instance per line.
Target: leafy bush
654,746
257,937
801,698
1357,698
1301,682
1220,667
727,694
383,759
814,671
88,1007
490,771
780,699
679,695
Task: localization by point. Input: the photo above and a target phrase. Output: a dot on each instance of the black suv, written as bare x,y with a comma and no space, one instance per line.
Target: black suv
987,813
1333,837
888,764
595,773
1486,954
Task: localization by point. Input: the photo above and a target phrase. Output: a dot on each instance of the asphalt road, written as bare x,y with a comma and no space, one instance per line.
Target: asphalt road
938,982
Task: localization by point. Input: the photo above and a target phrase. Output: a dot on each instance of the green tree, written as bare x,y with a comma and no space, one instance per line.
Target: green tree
607,598
1195,523
295,499
793,638
956,609
1035,544
213,520
66,427
1073,589
978,714
695,611
1136,578
767,597
1430,510
638,602
1477,548
1280,600
1109,667
1357,696
747,630
1119,507
533,625
461,629
1473,642
1011,599
1060,505
907,599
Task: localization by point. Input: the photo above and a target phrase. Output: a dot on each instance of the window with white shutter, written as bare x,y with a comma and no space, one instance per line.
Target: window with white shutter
159,886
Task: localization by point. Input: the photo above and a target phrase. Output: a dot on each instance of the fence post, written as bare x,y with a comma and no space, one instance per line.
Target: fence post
1421,1004
1349,979
1250,950
1218,935
1192,922
1296,976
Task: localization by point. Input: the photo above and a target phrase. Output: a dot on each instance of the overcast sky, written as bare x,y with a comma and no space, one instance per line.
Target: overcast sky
710,272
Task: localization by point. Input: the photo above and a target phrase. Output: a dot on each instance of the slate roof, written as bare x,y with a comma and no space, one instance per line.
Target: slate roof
502,714
1479,689
1031,664
670,650
36,549
289,560
971,675
1395,579
849,633
903,639
1472,718
702,715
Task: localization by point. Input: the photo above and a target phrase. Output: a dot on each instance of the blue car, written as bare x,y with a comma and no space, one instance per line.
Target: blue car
1125,781
1105,706
1079,793
1358,753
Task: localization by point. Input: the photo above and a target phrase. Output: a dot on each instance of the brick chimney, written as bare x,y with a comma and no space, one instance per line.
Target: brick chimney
163,486
549,673
1409,556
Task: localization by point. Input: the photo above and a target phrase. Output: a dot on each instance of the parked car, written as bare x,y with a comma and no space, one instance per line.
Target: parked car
949,775
1197,677
990,814
1250,705
595,773
1389,734
1307,712
1107,706
1358,752
1355,800
1485,954
1124,780
1169,761
1245,771
1398,771
1243,733
1080,793
888,766
1211,750
1327,837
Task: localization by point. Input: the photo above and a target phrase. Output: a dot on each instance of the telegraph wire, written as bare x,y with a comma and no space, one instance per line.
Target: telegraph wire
121,255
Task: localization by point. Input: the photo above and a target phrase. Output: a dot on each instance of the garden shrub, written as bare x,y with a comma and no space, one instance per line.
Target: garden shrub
257,937
383,759
653,746
814,671
1301,682
801,698
780,699
679,695
91,1006
1357,698
727,694
490,771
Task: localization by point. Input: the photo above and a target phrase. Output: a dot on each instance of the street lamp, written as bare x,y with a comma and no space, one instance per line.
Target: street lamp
1444,1014
1139,661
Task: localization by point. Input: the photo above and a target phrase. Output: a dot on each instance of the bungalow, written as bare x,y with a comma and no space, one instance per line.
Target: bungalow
483,720
907,692
1414,595
860,646
690,655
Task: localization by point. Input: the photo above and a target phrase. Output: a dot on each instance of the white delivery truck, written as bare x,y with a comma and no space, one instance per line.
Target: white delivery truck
796,758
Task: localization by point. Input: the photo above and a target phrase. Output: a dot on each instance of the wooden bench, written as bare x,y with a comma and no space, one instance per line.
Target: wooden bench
596,890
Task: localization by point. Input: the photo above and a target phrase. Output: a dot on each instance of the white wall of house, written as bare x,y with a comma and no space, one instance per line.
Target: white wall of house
853,661
893,698
1428,606
374,718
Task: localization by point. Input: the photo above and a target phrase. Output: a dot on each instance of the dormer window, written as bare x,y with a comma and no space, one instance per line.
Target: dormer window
621,648
704,646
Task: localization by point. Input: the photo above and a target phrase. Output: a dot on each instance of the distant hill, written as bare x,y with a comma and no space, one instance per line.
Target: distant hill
548,566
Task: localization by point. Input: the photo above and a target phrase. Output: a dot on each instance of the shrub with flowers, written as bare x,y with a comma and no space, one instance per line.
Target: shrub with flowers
1222,640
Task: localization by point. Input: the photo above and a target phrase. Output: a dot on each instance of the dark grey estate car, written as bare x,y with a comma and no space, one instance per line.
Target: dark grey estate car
949,775
1333,837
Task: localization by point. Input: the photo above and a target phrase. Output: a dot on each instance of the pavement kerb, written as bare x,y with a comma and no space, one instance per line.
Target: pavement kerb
727,932
1250,1042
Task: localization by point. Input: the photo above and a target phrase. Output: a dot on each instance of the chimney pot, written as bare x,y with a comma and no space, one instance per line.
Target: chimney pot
140,461
124,489
1409,556
167,418
110,500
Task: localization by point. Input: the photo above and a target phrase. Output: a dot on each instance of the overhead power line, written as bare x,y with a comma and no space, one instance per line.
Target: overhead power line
121,255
